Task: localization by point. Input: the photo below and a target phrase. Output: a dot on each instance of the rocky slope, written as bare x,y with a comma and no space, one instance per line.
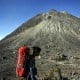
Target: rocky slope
56,33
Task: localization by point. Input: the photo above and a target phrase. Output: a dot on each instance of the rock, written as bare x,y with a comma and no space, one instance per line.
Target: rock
60,57
64,12
3,78
39,57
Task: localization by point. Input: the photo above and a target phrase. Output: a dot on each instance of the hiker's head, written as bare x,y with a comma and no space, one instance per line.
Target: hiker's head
36,50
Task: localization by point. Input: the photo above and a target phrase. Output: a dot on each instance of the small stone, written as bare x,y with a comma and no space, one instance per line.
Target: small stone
3,78
39,57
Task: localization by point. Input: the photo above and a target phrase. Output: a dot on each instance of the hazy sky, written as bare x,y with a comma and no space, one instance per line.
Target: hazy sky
15,12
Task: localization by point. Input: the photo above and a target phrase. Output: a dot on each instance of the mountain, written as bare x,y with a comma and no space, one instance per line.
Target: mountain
56,33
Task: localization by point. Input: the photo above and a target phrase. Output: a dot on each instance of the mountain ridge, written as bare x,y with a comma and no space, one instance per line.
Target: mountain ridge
36,19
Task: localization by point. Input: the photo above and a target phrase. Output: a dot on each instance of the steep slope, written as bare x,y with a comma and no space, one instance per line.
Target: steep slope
32,22
53,32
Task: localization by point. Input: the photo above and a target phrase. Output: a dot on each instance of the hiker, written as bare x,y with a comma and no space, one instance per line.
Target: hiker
33,70
26,62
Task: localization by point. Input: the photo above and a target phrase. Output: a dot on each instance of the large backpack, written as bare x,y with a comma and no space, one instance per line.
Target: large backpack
22,57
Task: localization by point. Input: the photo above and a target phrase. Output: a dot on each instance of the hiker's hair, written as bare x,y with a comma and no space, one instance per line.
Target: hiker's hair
37,49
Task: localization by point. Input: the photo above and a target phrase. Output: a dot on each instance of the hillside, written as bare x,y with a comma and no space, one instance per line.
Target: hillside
55,33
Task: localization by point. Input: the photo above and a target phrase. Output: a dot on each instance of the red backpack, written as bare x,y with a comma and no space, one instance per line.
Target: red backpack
22,57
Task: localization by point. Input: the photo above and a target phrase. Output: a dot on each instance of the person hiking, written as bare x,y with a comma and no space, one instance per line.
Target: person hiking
33,70
25,68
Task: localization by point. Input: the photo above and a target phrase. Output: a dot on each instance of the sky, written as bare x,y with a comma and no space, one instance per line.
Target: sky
15,12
